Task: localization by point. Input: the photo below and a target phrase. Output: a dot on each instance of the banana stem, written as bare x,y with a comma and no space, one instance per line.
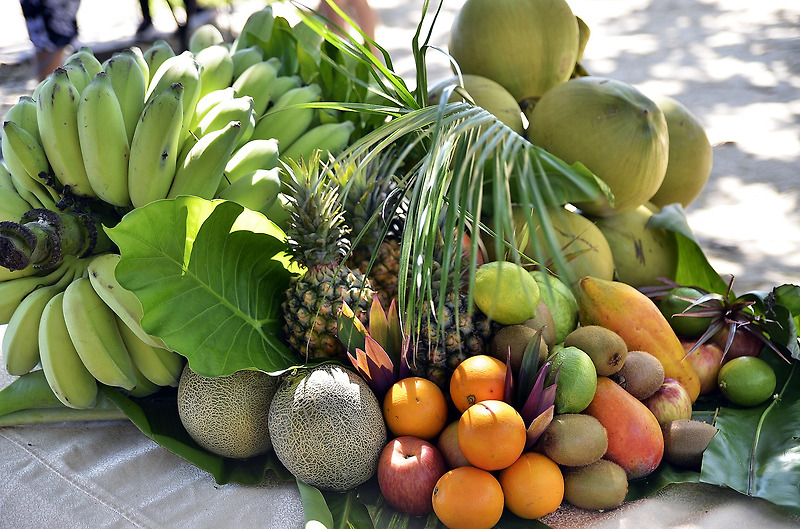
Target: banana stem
43,237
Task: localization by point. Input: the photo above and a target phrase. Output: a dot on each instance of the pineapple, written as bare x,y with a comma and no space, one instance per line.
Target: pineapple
442,344
318,241
369,206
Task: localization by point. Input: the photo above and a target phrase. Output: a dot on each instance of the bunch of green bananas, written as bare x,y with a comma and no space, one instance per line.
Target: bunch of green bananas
100,139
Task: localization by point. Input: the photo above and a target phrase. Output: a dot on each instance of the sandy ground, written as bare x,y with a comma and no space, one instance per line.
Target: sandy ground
734,63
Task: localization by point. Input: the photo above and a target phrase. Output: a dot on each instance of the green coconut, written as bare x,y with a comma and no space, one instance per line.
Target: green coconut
528,46
642,253
613,129
690,156
487,94
581,242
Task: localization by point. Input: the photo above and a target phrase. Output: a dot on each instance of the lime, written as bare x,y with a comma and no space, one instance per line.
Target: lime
746,381
505,292
577,380
689,326
560,300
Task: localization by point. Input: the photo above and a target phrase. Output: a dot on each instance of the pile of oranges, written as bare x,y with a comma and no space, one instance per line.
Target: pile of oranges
490,469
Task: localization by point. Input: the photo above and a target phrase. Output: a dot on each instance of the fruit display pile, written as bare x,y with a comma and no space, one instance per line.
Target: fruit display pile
465,306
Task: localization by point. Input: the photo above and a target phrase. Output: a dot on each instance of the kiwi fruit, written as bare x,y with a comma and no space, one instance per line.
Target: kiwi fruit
599,486
685,441
574,439
605,347
544,321
641,375
517,337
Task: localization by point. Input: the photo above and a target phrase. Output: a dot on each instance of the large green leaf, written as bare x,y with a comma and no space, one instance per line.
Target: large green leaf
210,276
757,450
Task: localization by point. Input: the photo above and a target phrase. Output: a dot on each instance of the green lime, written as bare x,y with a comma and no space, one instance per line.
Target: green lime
746,381
577,380
505,292
689,326
560,300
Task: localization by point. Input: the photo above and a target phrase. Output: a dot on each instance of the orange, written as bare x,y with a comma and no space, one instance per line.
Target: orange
468,498
415,406
533,486
491,434
479,377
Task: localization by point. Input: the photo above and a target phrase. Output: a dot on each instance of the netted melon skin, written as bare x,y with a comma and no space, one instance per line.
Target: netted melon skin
327,428
227,416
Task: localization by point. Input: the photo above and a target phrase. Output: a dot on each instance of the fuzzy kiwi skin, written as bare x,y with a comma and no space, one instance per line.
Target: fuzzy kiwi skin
605,347
517,337
685,441
599,486
641,375
574,439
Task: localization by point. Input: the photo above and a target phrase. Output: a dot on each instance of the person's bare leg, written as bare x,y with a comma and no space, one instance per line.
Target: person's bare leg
47,61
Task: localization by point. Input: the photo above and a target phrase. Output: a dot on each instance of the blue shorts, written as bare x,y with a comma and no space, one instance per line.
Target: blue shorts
52,24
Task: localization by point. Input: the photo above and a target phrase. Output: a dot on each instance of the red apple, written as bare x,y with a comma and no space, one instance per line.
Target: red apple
670,402
744,343
408,469
448,446
706,361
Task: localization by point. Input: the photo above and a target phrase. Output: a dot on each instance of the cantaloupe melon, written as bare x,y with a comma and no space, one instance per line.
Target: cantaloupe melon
227,415
327,427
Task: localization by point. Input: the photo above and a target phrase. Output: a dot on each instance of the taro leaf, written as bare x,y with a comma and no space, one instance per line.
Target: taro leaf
693,267
315,509
157,418
664,475
210,276
348,511
779,321
757,450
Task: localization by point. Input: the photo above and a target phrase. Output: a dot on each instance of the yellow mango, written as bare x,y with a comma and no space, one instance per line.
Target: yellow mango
632,315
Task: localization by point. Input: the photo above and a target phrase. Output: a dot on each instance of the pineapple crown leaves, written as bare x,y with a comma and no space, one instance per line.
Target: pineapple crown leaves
531,397
379,354
317,232
745,313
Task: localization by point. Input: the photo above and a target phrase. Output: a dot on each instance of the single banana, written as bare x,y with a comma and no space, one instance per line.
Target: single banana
203,37
27,150
88,59
253,155
256,191
256,29
13,291
330,138
77,73
12,206
123,302
21,338
216,68
181,69
209,101
283,84
22,155
283,121
154,149
92,326
201,170
104,141
257,82
155,55
136,53
23,113
130,85
144,387
160,366
57,117
237,109
245,58
63,368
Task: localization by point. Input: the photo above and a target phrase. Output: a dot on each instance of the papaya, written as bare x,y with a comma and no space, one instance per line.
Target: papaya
635,439
631,314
